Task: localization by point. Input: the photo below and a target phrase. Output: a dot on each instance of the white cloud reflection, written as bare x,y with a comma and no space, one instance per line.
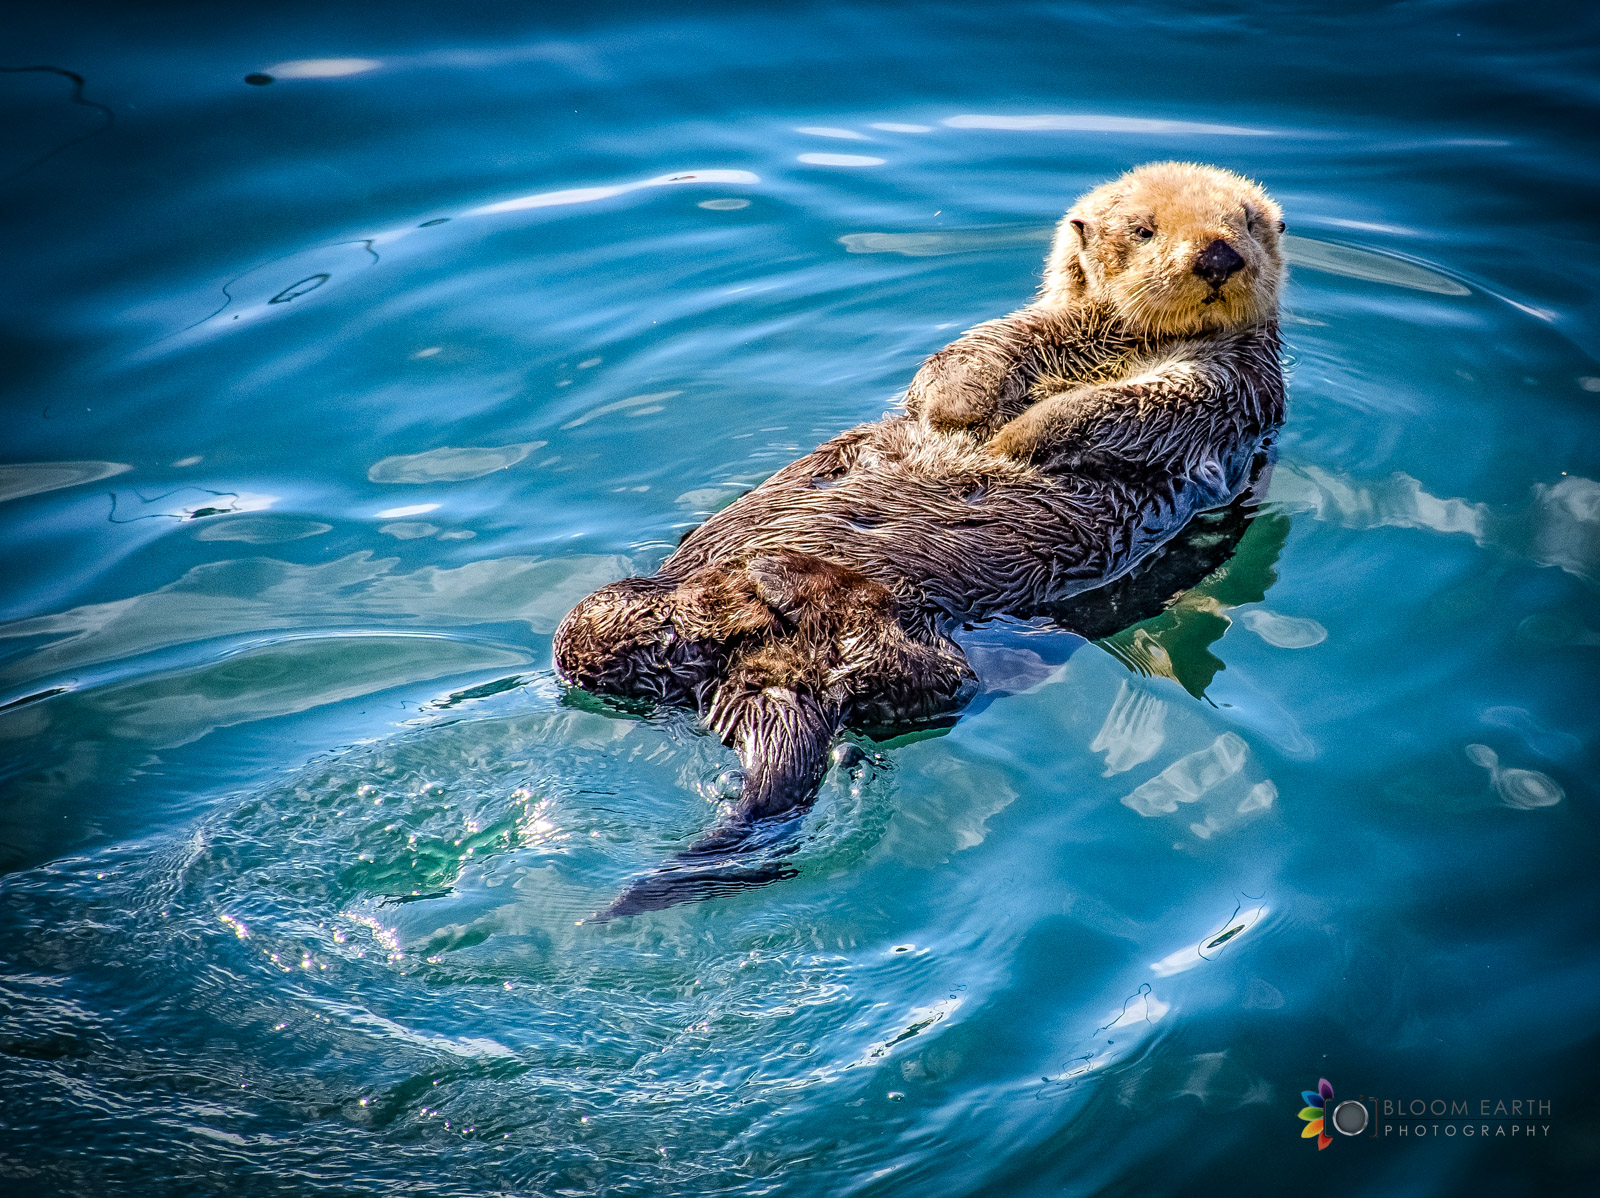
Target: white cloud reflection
323,68
1088,122
585,195
1188,957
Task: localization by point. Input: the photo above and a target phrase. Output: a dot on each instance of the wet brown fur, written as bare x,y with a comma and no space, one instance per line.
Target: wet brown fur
1041,454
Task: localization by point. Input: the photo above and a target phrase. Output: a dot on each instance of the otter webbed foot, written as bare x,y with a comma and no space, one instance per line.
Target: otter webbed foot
782,732
725,861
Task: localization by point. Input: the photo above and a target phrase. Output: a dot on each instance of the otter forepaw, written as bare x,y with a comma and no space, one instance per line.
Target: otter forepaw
956,409
949,396
1012,443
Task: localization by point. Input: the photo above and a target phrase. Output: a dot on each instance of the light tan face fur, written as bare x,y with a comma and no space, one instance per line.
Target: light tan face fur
1135,242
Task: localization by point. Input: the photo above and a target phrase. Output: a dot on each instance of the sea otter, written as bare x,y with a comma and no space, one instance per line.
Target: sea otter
1039,455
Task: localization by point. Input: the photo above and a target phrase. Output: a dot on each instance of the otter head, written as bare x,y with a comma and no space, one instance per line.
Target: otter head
1175,248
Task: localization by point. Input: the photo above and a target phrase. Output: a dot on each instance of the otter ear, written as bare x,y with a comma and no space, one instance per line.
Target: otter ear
1082,226
1282,226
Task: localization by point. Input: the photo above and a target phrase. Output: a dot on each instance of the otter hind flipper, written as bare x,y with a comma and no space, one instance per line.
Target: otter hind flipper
726,860
783,736
674,885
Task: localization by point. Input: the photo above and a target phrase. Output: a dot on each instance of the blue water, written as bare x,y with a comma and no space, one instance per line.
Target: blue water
311,438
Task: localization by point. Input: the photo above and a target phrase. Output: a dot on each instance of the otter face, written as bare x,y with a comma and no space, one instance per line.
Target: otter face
1177,249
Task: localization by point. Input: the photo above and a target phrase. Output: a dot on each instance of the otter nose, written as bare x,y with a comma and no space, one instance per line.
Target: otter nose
1217,262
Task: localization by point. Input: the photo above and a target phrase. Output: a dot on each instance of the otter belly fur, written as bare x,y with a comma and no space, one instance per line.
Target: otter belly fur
1040,455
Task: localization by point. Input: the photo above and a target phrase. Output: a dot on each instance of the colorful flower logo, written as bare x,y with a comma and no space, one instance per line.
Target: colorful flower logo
1317,1102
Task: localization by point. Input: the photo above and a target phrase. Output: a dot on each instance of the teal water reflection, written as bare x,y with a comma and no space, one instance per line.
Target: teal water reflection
327,396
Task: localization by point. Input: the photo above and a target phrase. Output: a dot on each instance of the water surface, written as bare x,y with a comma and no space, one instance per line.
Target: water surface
325,398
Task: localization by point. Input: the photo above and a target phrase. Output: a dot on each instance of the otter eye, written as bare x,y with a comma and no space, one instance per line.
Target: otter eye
1143,233
1282,226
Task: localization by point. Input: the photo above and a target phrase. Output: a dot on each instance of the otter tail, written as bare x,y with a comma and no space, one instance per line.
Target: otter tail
783,738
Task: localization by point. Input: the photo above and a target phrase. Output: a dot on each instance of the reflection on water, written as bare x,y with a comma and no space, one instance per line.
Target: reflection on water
186,503
1210,946
1517,788
928,245
1090,123
1546,742
231,598
262,530
1356,263
343,360
1134,730
449,465
322,68
35,478
1558,526
1284,632
257,683
1177,643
